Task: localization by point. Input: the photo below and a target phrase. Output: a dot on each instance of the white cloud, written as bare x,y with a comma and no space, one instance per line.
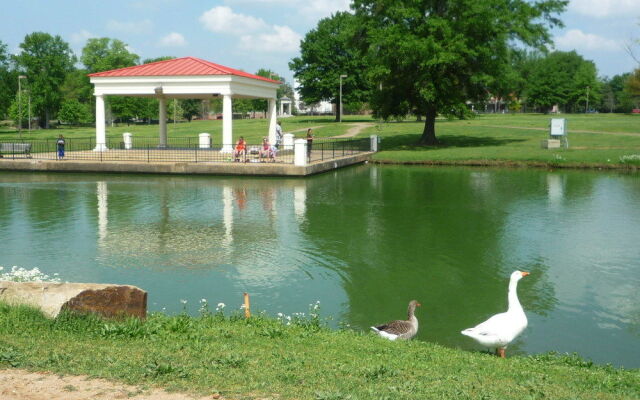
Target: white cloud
174,39
81,37
135,27
604,8
254,33
222,19
310,9
575,39
281,39
317,9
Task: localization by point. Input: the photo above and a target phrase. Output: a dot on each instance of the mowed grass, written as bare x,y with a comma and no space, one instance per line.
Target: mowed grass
602,140
264,358
595,140
253,130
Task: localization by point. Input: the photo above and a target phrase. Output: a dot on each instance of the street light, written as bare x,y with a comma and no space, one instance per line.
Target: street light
341,76
20,77
586,109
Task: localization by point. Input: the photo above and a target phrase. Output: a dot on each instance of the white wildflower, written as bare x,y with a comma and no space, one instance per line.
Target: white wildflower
183,301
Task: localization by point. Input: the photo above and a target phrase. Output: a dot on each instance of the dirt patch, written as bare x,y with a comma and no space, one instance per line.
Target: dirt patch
24,385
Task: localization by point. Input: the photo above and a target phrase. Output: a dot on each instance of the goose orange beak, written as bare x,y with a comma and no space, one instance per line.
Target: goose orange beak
418,304
524,273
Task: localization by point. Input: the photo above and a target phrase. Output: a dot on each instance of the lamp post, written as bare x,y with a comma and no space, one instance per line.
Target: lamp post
586,108
341,76
20,77
29,91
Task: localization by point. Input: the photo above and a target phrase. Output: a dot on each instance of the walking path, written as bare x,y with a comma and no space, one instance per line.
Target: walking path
354,130
16,384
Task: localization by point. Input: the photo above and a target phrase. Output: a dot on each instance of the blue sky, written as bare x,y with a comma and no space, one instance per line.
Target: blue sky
253,34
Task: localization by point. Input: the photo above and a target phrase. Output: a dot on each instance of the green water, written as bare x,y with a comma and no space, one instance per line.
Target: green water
363,241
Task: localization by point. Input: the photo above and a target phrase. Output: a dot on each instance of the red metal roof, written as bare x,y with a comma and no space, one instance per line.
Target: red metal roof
179,67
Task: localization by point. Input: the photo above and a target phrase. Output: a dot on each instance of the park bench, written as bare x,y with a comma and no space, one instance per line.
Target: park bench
15,148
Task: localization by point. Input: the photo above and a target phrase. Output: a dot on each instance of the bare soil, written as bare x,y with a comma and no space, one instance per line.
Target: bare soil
18,384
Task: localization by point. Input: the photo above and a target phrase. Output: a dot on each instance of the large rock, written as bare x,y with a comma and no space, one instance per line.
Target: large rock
112,301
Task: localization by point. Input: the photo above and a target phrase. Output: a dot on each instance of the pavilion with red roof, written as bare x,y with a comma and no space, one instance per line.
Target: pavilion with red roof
186,77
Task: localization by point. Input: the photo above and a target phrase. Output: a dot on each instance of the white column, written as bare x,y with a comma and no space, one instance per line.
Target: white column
128,141
272,120
162,117
300,152
101,135
227,124
374,142
204,140
281,108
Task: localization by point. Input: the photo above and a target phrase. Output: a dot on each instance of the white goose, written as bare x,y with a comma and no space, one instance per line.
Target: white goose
400,329
501,329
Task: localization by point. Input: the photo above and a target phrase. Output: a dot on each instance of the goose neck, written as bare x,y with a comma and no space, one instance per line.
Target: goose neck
514,302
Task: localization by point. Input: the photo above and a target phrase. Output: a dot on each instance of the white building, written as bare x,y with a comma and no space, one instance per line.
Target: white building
323,107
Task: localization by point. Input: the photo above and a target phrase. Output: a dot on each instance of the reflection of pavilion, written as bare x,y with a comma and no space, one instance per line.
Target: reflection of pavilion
240,223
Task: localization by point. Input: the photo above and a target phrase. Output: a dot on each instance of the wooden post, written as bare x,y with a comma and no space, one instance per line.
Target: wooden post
247,306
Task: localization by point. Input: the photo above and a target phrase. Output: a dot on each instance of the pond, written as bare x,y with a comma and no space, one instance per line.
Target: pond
363,241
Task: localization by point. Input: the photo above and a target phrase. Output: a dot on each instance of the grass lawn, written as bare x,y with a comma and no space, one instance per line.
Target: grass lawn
264,358
516,138
596,140
252,129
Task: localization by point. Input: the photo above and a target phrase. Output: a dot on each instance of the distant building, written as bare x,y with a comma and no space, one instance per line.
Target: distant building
321,108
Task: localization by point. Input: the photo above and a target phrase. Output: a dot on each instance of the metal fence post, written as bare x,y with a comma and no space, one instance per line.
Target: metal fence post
148,152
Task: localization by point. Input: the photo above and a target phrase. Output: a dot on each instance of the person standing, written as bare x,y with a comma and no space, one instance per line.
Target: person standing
278,134
60,145
309,143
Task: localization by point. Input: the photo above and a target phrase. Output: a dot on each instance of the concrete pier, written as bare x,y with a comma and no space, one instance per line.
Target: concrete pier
186,168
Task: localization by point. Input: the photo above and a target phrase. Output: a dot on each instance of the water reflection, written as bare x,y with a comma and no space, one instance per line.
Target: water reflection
363,241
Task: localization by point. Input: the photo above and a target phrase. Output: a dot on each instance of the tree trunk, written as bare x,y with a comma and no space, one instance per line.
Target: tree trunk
337,112
429,133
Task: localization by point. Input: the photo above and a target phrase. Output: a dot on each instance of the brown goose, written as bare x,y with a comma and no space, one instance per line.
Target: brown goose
400,329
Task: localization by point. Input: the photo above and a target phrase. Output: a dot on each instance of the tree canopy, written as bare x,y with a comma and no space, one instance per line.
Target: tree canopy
565,79
103,54
327,52
46,60
434,55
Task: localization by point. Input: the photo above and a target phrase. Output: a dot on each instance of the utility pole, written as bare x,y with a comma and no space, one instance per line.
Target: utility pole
20,77
341,76
586,109
29,91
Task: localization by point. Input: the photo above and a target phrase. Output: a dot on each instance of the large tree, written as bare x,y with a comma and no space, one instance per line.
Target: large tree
565,79
46,60
432,56
103,54
327,52
8,81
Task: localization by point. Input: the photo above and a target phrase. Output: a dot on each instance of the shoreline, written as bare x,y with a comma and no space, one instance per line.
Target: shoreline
510,164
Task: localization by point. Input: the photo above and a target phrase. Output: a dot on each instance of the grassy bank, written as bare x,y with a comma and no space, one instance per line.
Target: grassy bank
262,357
596,140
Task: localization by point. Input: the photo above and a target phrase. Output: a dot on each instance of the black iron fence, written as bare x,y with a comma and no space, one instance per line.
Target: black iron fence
327,149
186,149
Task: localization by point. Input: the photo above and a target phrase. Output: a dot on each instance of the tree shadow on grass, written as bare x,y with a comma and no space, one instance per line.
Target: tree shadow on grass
410,142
